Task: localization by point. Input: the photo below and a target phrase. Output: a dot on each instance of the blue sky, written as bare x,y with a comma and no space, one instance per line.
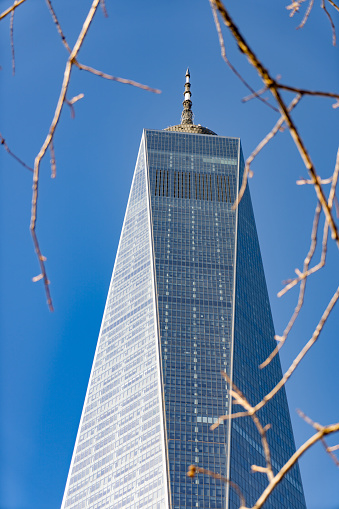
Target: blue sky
46,357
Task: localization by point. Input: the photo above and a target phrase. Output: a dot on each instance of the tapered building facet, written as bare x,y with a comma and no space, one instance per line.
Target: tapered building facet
187,300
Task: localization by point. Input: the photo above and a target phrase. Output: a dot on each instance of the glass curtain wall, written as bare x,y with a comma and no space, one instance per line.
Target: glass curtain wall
119,455
187,300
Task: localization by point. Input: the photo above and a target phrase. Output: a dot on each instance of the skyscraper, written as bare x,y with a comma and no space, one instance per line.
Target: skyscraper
187,300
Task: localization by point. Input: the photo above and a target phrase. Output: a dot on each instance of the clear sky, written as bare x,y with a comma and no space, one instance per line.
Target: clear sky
46,357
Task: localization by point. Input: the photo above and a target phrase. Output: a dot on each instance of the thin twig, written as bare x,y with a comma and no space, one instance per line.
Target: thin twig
308,420
43,274
334,448
73,101
83,67
302,275
302,353
193,469
240,399
308,11
331,200
302,181
300,302
294,7
11,35
6,147
334,37
56,21
103,7
231,66
305,91
247,171
53,163
255,95
11,9
330,453
46,144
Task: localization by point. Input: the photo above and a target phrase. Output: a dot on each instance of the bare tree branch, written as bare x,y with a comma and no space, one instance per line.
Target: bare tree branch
49,138
300,302
273,87
223,54
308,11
46,144
324,431
319,427
240,399
303,352
247,171
334,37
302,276
291,369
37,162
331,199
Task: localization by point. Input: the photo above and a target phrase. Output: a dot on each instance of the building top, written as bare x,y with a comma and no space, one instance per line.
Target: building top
187,125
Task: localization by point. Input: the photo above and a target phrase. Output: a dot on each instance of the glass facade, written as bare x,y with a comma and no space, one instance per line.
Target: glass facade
187,300
253,342
193,181
119,457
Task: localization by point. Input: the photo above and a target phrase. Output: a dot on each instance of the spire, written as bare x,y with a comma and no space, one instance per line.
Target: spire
187,114
187,125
